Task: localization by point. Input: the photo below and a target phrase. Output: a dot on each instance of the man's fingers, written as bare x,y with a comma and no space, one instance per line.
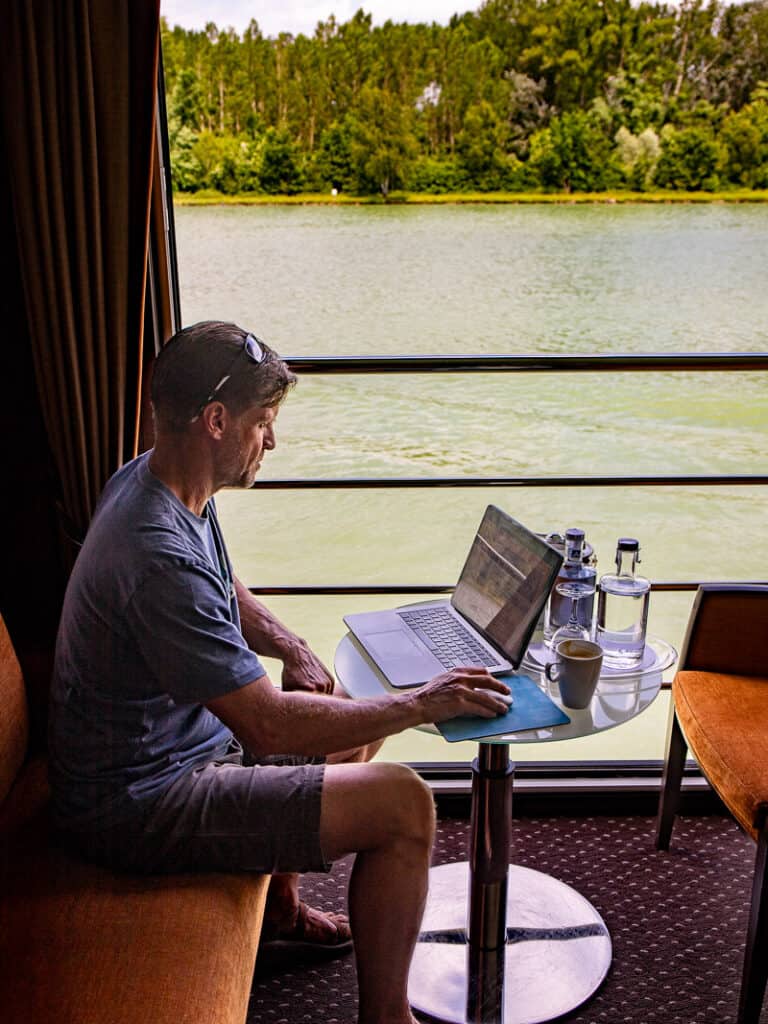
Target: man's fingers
480,678
491,684
489,699
483,688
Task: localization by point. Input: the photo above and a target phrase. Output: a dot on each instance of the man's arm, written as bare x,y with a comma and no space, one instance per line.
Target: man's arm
269,721
266,635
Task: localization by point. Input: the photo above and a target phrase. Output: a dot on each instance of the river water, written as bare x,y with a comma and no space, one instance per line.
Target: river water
315,280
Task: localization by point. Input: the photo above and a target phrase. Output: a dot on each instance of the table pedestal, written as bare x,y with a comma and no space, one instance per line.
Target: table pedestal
500,944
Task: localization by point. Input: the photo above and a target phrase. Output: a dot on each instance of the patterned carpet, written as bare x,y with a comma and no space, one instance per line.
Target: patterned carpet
677,920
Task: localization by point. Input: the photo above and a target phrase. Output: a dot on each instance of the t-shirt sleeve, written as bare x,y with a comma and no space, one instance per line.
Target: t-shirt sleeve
181,621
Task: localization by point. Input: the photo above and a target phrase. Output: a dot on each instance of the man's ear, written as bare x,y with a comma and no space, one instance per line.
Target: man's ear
215,417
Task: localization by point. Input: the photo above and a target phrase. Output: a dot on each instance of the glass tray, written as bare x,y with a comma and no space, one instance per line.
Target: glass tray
657,656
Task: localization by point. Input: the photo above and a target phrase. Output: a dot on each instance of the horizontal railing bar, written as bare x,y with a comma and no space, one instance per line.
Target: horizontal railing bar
596,769
530,363
352,588
358,483
659,586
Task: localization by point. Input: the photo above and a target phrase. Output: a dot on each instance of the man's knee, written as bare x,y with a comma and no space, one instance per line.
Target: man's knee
412,804
371,805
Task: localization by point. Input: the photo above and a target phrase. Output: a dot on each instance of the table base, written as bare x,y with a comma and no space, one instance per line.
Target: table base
557,954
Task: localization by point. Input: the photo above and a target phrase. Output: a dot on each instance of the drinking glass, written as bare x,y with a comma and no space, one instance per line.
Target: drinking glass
575,591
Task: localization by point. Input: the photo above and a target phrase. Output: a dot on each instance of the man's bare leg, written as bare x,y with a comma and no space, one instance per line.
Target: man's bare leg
385,814
283,895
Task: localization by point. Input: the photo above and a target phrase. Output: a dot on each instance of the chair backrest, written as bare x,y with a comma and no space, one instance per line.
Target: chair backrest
14,720
728,630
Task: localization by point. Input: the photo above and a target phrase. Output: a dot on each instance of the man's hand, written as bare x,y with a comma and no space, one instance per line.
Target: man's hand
462,691
303,670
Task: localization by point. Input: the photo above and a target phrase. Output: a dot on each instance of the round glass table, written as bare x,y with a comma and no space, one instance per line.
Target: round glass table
503,944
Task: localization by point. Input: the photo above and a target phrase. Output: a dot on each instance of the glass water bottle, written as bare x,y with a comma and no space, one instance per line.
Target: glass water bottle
622,609
573,569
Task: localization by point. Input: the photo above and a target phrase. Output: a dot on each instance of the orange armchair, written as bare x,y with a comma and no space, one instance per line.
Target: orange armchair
720,712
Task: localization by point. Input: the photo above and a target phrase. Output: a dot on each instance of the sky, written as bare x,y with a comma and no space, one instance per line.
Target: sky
275,16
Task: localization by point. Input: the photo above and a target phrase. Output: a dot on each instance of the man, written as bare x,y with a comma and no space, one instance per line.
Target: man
158,690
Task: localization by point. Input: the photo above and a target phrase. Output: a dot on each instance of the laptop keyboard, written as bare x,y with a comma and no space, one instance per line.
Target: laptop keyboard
446,638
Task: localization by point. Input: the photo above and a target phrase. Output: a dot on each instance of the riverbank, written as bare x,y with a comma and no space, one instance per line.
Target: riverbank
211,198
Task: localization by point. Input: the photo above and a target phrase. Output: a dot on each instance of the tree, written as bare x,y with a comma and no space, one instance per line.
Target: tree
697,46
185,103
381,142
744,136
225,163
278,162
528,111
742,30
469,72
634,103
574,154
428,174
689,159
479,147
187,173
333,166
638,156
257,62
574,46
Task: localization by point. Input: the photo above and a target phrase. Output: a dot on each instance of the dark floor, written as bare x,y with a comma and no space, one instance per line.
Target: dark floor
677,920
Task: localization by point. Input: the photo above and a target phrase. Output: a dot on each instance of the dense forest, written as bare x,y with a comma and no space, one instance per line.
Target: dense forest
521,95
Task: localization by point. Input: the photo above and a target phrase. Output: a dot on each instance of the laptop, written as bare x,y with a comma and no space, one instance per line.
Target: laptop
489,619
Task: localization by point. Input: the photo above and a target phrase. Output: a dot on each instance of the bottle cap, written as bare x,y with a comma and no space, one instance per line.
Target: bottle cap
628,544
574,533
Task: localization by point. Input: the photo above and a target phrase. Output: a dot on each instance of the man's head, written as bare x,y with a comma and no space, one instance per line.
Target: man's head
213,361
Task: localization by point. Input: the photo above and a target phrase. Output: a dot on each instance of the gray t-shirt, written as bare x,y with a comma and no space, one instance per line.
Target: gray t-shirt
150,630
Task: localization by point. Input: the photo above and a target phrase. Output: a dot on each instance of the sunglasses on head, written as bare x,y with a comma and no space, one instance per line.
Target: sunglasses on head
252,348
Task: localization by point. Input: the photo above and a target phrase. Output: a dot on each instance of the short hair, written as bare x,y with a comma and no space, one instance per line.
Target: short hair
194,361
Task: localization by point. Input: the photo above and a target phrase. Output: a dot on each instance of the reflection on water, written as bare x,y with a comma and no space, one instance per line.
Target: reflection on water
314,280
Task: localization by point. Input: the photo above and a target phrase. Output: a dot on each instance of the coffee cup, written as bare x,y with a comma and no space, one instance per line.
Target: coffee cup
576,670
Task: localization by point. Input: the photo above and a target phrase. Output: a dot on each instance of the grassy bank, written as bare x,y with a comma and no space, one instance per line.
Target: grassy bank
209,198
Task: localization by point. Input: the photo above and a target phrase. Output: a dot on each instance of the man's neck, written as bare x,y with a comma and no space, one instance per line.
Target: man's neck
184,474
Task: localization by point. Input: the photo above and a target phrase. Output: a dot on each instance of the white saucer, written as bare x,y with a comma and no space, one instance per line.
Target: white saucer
657,656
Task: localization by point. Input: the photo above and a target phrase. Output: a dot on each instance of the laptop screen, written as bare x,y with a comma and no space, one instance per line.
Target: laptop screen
505,582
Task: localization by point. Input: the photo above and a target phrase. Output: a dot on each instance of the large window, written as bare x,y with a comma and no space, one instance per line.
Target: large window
320,282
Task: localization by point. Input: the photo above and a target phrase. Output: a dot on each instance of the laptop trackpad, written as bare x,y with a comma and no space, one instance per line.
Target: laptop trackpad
393,643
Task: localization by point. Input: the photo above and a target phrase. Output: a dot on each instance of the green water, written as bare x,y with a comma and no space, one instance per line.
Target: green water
319,281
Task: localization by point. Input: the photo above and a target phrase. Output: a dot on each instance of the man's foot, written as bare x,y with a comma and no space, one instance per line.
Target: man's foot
310,931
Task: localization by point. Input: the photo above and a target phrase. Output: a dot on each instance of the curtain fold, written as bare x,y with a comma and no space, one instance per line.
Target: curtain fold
78,114
160,317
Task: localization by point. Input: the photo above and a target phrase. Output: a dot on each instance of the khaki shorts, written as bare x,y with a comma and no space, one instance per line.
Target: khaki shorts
228,815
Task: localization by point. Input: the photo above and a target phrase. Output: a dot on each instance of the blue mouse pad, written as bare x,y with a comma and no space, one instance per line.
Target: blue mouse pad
532,709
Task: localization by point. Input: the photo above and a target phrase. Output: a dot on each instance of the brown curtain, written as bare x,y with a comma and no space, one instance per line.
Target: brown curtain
79,191
78,107
161,318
